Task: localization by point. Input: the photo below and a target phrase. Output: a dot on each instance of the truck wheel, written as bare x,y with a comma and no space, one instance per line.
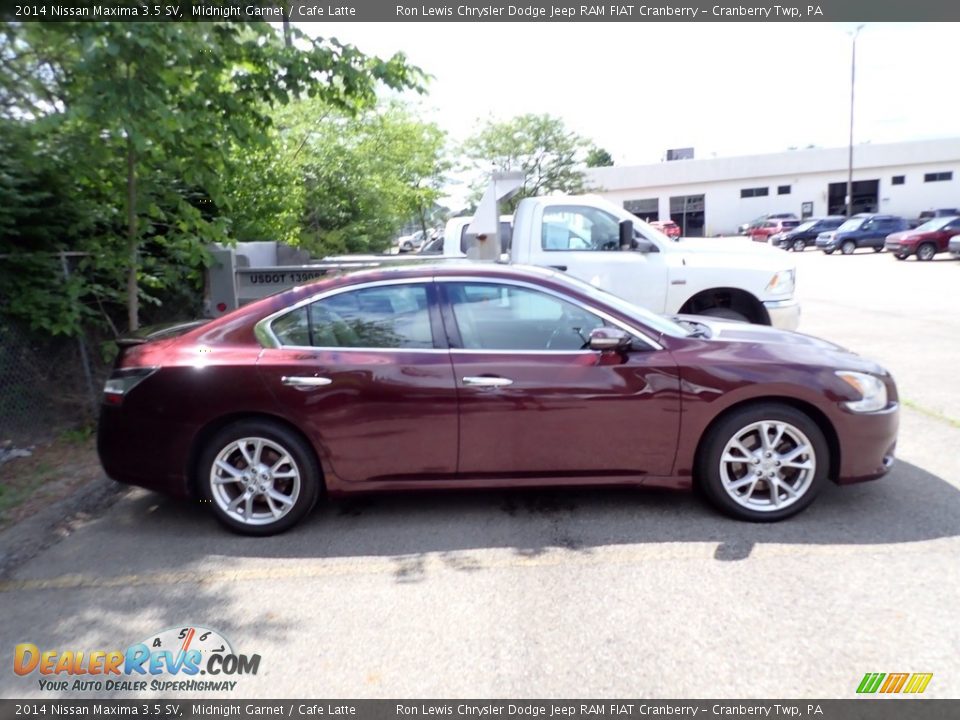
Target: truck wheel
848,247
763,462
926,251
724,314
799,246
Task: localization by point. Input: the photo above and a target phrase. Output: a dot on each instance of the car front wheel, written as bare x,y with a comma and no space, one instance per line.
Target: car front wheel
763,463
259,477
926,252
799,246
848,247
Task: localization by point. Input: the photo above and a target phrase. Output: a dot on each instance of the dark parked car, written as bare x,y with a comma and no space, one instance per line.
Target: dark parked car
866,230
465,376
925,241
804,235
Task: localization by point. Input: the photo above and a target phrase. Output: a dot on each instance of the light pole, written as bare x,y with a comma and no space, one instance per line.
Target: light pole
853,80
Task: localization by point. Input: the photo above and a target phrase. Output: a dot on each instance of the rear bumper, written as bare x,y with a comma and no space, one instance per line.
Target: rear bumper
145,452
784,314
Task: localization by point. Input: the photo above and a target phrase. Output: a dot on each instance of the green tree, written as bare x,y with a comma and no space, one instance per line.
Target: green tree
159,118
550,156
365,174
598,157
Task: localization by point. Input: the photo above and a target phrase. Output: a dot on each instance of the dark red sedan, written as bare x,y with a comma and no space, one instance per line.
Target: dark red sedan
467,375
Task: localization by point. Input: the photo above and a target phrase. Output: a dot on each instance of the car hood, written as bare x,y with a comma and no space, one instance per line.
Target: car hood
905,234
762,341
731,252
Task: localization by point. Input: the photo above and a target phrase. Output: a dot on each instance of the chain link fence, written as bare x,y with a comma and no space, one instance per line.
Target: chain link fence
47,384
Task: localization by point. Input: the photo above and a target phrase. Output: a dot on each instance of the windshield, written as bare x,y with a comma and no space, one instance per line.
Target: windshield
935,224
652,320
805,226
852,224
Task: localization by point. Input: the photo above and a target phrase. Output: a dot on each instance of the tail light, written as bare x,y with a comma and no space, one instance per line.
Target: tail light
121,382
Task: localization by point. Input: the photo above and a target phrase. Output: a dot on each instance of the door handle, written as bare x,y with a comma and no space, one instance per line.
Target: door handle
485,381
561,268
305,382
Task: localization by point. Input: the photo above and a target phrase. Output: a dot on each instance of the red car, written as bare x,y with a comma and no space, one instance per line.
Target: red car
925,241
469,375
667,227
763,231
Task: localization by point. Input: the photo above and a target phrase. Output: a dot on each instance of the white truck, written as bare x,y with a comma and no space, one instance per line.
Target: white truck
592,239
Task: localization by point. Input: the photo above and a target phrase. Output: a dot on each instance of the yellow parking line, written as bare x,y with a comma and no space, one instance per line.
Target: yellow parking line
415,565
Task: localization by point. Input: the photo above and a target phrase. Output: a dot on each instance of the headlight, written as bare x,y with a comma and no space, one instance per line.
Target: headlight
782,283
873,393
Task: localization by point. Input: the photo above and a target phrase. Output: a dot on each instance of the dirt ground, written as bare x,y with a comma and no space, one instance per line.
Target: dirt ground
54,470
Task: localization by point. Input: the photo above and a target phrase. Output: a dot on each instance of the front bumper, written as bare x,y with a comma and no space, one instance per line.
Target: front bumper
867,444
784,314
897,248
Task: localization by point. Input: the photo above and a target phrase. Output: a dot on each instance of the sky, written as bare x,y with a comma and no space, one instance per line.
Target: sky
725,89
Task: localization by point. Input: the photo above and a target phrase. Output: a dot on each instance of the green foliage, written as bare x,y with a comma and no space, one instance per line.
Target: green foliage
550,156
365,175
140,144
598,157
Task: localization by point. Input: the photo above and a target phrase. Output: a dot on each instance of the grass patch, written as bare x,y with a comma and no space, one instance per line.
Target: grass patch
935,414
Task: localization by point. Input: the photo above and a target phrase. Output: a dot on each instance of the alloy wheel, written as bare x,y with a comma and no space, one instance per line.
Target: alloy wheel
255,481
767,466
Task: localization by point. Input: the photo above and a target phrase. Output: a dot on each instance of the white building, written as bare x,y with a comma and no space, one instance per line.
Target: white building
714,196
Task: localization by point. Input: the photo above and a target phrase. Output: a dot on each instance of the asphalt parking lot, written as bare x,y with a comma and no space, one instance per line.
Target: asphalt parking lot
568,593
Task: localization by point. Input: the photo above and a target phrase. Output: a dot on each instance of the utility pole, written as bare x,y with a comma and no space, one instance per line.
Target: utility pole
853,79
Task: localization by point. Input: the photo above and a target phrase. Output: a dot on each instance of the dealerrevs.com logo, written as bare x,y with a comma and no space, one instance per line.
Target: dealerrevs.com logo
179,659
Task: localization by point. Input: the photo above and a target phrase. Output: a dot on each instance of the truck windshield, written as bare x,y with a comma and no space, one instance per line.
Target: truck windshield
642,315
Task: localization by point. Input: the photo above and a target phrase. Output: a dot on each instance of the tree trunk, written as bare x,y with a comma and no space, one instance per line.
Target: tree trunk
133,255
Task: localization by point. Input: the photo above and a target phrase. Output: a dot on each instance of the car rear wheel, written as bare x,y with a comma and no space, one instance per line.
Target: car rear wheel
799,246
901,256
763,463
828,251
877,249
926,251
848,247
259,477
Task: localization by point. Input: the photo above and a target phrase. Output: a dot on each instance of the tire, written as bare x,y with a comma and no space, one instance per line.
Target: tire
297,479
799,246
926,251
901,256
724,314
718,471
828,252
878,249
848,247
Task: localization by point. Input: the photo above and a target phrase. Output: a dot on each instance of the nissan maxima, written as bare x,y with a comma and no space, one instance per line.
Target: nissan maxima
467,376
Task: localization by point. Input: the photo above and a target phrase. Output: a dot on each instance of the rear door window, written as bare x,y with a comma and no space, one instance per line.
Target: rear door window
388,316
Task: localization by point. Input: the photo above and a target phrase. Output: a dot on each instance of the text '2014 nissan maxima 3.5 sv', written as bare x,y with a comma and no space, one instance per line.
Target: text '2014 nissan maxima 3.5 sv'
469,375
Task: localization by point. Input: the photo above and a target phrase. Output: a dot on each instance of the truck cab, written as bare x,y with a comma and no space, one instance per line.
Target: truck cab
583,235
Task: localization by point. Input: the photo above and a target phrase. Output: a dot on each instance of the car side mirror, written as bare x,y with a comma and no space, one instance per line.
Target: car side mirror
641,244
605,339
626,234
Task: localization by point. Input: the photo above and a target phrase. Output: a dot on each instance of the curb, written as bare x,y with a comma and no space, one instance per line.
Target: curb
34,534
